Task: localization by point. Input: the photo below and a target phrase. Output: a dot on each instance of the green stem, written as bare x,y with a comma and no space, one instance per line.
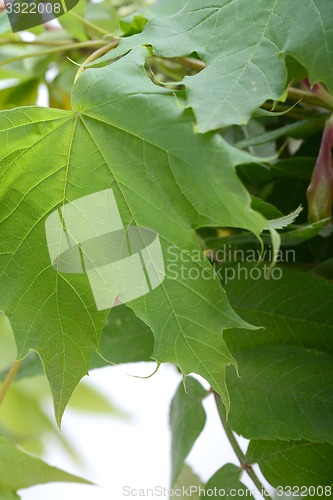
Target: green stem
307,98
240,455
54,50
50,43
95,55
293,93
9,379
88,23
190,62
298,113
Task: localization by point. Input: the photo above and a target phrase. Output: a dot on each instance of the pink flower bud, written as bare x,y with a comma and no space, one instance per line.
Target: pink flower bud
320,191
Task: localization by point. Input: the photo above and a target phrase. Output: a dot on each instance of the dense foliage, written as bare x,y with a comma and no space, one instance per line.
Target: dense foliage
212,125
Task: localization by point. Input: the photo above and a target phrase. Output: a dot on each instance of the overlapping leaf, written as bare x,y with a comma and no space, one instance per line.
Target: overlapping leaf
244,50
125,339
284,392
295,309
19,470
293,463
128,134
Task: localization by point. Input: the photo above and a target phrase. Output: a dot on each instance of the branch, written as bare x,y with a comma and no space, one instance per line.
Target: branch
9,379
307,98
95,55
54,50
293,93
88,23
190,62
50,43
235,446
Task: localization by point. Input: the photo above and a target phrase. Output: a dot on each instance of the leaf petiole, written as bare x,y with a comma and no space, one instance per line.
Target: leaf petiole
9,379
95,55
54,50
89,24
235,446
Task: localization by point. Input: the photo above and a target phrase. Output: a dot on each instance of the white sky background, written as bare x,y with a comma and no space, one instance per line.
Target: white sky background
133,452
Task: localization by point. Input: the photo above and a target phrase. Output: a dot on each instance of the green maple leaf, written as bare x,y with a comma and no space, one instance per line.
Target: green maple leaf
244,49
127,134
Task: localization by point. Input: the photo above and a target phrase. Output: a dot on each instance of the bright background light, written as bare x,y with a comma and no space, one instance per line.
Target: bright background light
133,452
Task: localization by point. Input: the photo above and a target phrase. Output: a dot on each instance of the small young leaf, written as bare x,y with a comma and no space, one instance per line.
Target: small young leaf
187,419
187,482
285,220
227,479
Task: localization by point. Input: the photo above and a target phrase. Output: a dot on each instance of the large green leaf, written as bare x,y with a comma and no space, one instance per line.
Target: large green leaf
244,50
19,470
128,134
226,480
125,339
293,463
187,419
283,392
6,494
